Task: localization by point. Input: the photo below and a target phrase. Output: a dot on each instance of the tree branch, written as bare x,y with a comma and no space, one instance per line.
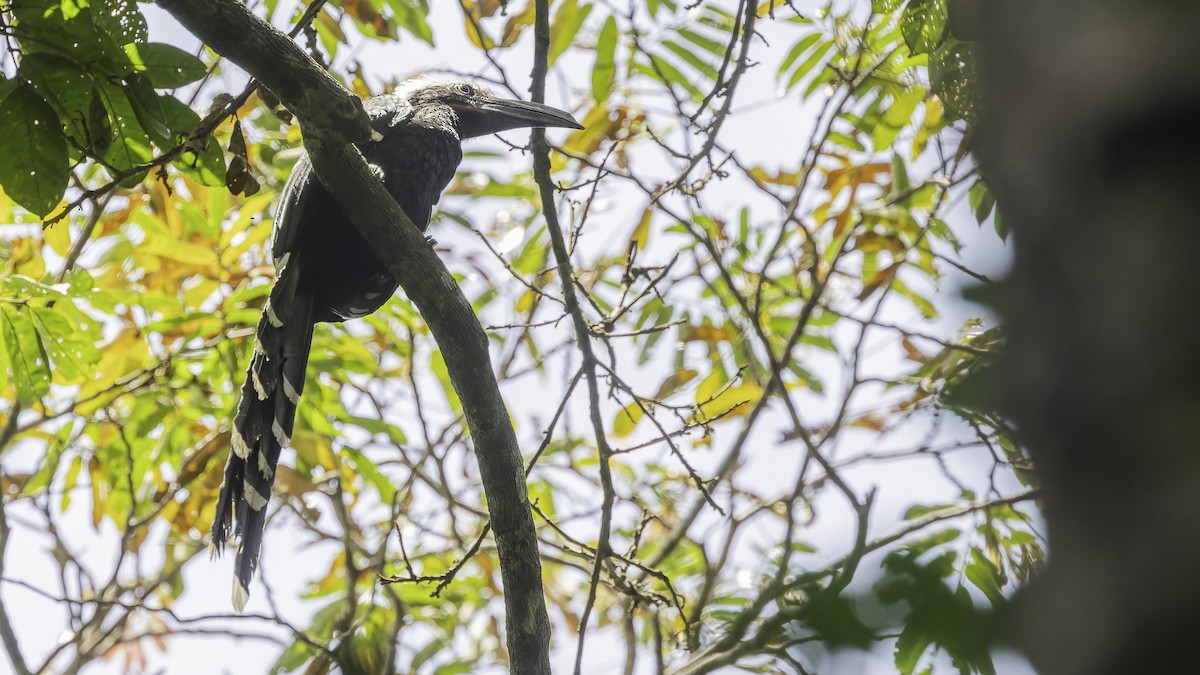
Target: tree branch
332,119
583,336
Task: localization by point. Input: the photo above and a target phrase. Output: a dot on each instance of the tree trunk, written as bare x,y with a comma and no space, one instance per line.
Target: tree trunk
1089,138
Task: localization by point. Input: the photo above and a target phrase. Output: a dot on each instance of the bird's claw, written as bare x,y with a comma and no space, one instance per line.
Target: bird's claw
431,241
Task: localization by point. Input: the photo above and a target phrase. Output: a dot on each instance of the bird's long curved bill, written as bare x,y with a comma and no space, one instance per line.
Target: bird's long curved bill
525,114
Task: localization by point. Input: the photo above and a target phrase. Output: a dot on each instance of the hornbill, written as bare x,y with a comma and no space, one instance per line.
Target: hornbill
326,271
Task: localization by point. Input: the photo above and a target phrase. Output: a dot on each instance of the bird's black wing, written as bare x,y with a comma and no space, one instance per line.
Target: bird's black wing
325,271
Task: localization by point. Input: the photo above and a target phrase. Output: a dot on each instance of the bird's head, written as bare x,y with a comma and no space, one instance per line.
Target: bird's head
479,112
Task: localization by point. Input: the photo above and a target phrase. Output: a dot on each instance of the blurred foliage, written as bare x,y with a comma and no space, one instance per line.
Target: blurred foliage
136,265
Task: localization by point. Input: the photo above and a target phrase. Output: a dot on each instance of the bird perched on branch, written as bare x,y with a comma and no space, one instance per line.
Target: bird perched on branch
326,271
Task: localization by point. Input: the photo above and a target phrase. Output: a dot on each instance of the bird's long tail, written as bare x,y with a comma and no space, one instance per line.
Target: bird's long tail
263,426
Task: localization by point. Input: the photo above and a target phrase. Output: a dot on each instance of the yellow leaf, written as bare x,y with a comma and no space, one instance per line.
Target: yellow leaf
732,402
641,233
706,333
72,478
181,251
787,178
333,579
710,385
933,118
249,209
525,302
196,295
314,449
627,419
673,383
99,490
24,259
58,236
331,24
473,23
125,354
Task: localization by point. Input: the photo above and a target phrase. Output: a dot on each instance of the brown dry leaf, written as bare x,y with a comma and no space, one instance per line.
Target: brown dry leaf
516,24
288,481
881,279
641,232
787,178
706,333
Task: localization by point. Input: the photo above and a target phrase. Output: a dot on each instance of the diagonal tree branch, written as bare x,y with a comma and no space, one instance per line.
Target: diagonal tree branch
332,120
583,336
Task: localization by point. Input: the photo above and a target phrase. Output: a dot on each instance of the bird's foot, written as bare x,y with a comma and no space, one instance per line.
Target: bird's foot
431,241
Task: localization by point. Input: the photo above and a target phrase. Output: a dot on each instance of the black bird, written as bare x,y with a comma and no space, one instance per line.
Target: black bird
326,271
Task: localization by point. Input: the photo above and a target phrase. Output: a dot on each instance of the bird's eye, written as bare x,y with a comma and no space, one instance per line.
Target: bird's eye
465,89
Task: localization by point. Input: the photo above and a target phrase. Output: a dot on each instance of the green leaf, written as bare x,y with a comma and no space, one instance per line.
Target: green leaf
981,200
818,55
709,45
952,74
147,107
654,5
179,117
71,350
413,19
131,145
567,21
29,365
923,24
981,572
34,166
846,141
370,472
664,72
437,363
119,19
604,73
50,26
689,57
165,66
65,85
911,644
801,46
204,160
927,308
833,618
896,116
